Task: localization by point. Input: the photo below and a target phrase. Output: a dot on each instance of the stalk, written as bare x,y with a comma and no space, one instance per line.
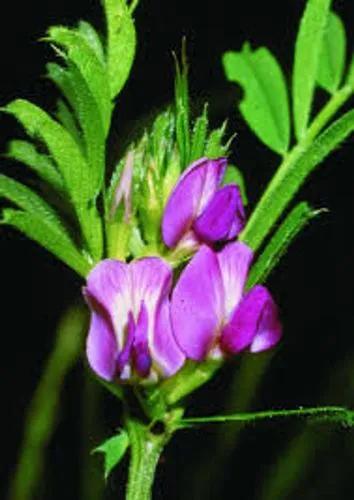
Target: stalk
145,451
42,413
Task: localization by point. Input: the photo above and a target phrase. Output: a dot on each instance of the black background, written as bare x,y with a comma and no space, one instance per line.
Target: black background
313,283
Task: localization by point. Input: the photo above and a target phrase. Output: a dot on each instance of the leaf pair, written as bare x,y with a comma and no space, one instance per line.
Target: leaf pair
73,164
319,60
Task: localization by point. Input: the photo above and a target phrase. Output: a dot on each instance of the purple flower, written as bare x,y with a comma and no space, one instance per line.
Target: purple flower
211,314
130,334
200,210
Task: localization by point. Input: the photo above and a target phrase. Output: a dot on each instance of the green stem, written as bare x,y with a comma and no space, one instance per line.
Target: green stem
332,413
92,486
275,198
43,409
145,451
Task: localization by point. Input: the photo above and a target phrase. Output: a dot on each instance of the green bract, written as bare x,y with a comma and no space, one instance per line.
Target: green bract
113,450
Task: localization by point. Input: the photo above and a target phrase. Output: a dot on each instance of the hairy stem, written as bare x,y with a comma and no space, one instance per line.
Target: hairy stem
145,451
337,414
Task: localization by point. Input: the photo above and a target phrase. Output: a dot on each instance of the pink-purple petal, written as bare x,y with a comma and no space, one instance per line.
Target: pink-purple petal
123,358
219,218
109,285
254,324
101,345
197,304
239,219
151,283
190,196
166,352
269,329
140,353
234,261
151,280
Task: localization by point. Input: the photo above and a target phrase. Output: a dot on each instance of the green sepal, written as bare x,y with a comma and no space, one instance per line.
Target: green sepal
199,136
214,147
161,141
113,450
172,174
118,233
189,378
182,109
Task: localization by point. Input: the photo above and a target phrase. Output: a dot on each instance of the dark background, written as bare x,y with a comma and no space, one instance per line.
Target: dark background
313,283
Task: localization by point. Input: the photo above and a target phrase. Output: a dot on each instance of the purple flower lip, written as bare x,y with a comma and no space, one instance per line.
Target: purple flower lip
200,210
211,314
130,334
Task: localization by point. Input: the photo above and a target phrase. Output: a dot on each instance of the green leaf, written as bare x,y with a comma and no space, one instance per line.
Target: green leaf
93,39
73,86
276,248
67,119
290,177
44,232
80,53
335,414
350,77
199,135
40,222
233,175
72,165
60,144
306,61
28,200
332,58
26,153
121,43
114,450
265,105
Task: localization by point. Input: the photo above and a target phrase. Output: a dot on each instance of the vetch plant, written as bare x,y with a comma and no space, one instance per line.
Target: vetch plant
165,248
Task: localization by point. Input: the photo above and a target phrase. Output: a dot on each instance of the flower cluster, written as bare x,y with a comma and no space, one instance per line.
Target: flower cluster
143,327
